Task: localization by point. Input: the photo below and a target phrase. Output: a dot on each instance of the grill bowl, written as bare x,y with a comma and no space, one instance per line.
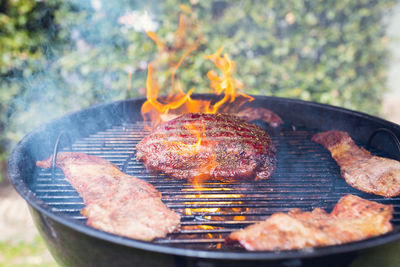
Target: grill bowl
306,178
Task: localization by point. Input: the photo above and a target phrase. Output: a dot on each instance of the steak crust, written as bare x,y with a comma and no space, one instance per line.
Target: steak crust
251,114
360,169
116,202
208,146
352,219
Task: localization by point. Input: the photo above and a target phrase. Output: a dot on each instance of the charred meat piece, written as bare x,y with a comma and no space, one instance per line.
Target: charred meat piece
352,219
115,202
360,169
251,114
208,146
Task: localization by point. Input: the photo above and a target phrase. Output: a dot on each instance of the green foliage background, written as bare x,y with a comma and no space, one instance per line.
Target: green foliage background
59,56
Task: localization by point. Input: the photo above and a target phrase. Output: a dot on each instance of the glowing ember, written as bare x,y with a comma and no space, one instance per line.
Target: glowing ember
214,196
207,227
230,199
239,218
190,211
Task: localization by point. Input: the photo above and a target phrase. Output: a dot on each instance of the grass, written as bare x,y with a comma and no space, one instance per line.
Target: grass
17,253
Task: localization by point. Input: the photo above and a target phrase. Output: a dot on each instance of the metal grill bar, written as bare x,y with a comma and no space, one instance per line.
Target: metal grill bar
306,177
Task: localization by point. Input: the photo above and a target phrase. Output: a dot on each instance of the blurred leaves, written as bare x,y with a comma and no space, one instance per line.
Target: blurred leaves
58,56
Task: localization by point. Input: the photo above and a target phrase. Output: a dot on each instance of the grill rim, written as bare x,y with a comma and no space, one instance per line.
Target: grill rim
16,175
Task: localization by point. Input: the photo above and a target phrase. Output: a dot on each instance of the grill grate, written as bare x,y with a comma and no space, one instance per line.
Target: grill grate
306,177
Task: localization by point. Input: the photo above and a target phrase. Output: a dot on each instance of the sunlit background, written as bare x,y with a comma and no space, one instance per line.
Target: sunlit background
61,56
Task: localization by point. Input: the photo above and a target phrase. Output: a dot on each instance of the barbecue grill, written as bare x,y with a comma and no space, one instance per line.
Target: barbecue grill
306,177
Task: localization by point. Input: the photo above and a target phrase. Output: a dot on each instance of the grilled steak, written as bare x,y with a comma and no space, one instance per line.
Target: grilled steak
208,146
116,202
251,114
352,219
360,169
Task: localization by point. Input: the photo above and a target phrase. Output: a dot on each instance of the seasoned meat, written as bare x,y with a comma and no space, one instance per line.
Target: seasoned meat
360,169
352,219
208,146
251,114
116,202
247,114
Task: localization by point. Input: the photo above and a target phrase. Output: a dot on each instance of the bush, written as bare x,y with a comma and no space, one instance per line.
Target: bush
58,56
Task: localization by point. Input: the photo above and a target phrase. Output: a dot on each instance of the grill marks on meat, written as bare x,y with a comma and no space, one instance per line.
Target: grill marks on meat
360,169
208,146
352,219
116,202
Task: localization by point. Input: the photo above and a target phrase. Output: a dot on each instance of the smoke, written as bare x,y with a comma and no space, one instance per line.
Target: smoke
84,56
96,51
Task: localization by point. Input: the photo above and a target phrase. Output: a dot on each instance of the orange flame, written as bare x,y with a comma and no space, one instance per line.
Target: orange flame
193,148
230,199
189,149
155,110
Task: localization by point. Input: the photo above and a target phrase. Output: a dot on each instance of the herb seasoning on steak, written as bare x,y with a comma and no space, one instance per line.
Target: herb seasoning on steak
209,146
